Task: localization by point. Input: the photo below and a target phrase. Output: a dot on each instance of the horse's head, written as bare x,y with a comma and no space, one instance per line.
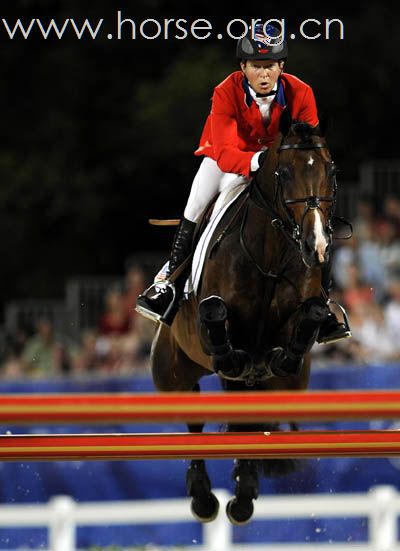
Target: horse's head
305,190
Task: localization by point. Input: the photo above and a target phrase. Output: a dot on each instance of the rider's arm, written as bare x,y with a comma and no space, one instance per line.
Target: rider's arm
224,129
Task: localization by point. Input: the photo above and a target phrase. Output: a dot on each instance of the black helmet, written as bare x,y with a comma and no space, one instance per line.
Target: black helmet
266,44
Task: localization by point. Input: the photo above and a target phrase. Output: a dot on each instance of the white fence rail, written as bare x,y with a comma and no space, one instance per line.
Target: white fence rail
62,515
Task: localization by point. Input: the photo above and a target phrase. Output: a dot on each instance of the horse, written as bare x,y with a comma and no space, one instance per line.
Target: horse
260,304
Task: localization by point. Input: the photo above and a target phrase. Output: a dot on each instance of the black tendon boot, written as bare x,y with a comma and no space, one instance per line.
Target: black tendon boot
160,301
332,330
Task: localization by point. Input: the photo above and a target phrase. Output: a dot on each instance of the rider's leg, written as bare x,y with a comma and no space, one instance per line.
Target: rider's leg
154,302
206,185
331,330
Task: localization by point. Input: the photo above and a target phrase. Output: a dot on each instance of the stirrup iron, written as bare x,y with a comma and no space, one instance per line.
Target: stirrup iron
154,316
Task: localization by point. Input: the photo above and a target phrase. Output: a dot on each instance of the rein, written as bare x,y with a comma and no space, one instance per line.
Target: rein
276,277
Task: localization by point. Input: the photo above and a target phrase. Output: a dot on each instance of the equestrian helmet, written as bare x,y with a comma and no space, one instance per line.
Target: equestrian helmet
266,44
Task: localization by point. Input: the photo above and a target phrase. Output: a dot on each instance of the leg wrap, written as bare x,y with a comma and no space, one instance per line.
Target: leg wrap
314,312
289,360
213,326
227,362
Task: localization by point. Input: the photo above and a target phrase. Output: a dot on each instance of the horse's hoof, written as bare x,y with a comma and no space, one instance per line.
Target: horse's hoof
239,512
205,511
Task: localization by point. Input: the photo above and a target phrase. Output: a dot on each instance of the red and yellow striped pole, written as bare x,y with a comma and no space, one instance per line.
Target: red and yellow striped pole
248,445
53,409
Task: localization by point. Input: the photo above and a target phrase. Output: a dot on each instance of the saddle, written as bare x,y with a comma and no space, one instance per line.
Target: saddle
222,207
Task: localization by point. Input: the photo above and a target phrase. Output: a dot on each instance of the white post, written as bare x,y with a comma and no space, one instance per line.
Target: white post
218,535
383,520
62,529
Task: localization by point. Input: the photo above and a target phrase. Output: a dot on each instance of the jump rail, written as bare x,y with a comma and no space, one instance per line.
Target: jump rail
55,409
199,445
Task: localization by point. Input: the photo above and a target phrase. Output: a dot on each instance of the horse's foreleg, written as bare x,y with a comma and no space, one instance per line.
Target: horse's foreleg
204,505
214,331
288,361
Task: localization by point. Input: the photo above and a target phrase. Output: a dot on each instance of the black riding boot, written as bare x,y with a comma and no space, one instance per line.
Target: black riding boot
160,302
332,329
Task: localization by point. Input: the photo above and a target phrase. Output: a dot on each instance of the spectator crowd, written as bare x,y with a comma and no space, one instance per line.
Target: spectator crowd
366,281
118,344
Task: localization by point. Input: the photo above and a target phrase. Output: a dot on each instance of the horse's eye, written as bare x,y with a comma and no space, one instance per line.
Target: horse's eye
284,173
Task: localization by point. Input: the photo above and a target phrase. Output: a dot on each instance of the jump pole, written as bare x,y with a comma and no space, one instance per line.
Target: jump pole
103,409
246,445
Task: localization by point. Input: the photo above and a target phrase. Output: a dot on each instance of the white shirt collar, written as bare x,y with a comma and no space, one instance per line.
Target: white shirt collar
264,100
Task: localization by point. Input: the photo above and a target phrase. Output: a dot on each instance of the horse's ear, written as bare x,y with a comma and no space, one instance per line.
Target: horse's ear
325,123
285,122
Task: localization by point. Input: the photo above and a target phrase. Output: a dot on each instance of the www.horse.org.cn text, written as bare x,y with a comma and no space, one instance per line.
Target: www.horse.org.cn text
126,28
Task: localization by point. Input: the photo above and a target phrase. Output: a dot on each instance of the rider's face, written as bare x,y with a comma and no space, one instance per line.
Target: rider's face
262,75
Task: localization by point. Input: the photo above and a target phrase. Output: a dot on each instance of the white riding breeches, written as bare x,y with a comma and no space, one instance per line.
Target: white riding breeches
207,184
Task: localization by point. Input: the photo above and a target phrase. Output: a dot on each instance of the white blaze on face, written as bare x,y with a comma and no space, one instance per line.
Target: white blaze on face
321,241
310,161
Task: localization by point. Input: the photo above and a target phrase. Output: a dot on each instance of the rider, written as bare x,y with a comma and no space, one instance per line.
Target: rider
242,124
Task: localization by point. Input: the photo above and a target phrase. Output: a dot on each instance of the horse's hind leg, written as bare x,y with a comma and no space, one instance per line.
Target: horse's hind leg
204,505
246,472
240,508
174,370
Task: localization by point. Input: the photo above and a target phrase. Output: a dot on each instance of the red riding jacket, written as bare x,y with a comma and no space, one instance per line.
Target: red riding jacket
234,129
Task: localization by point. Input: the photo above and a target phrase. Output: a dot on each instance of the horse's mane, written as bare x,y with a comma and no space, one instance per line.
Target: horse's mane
295,128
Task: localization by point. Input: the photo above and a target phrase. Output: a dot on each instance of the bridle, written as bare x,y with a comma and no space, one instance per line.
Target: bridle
288,225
